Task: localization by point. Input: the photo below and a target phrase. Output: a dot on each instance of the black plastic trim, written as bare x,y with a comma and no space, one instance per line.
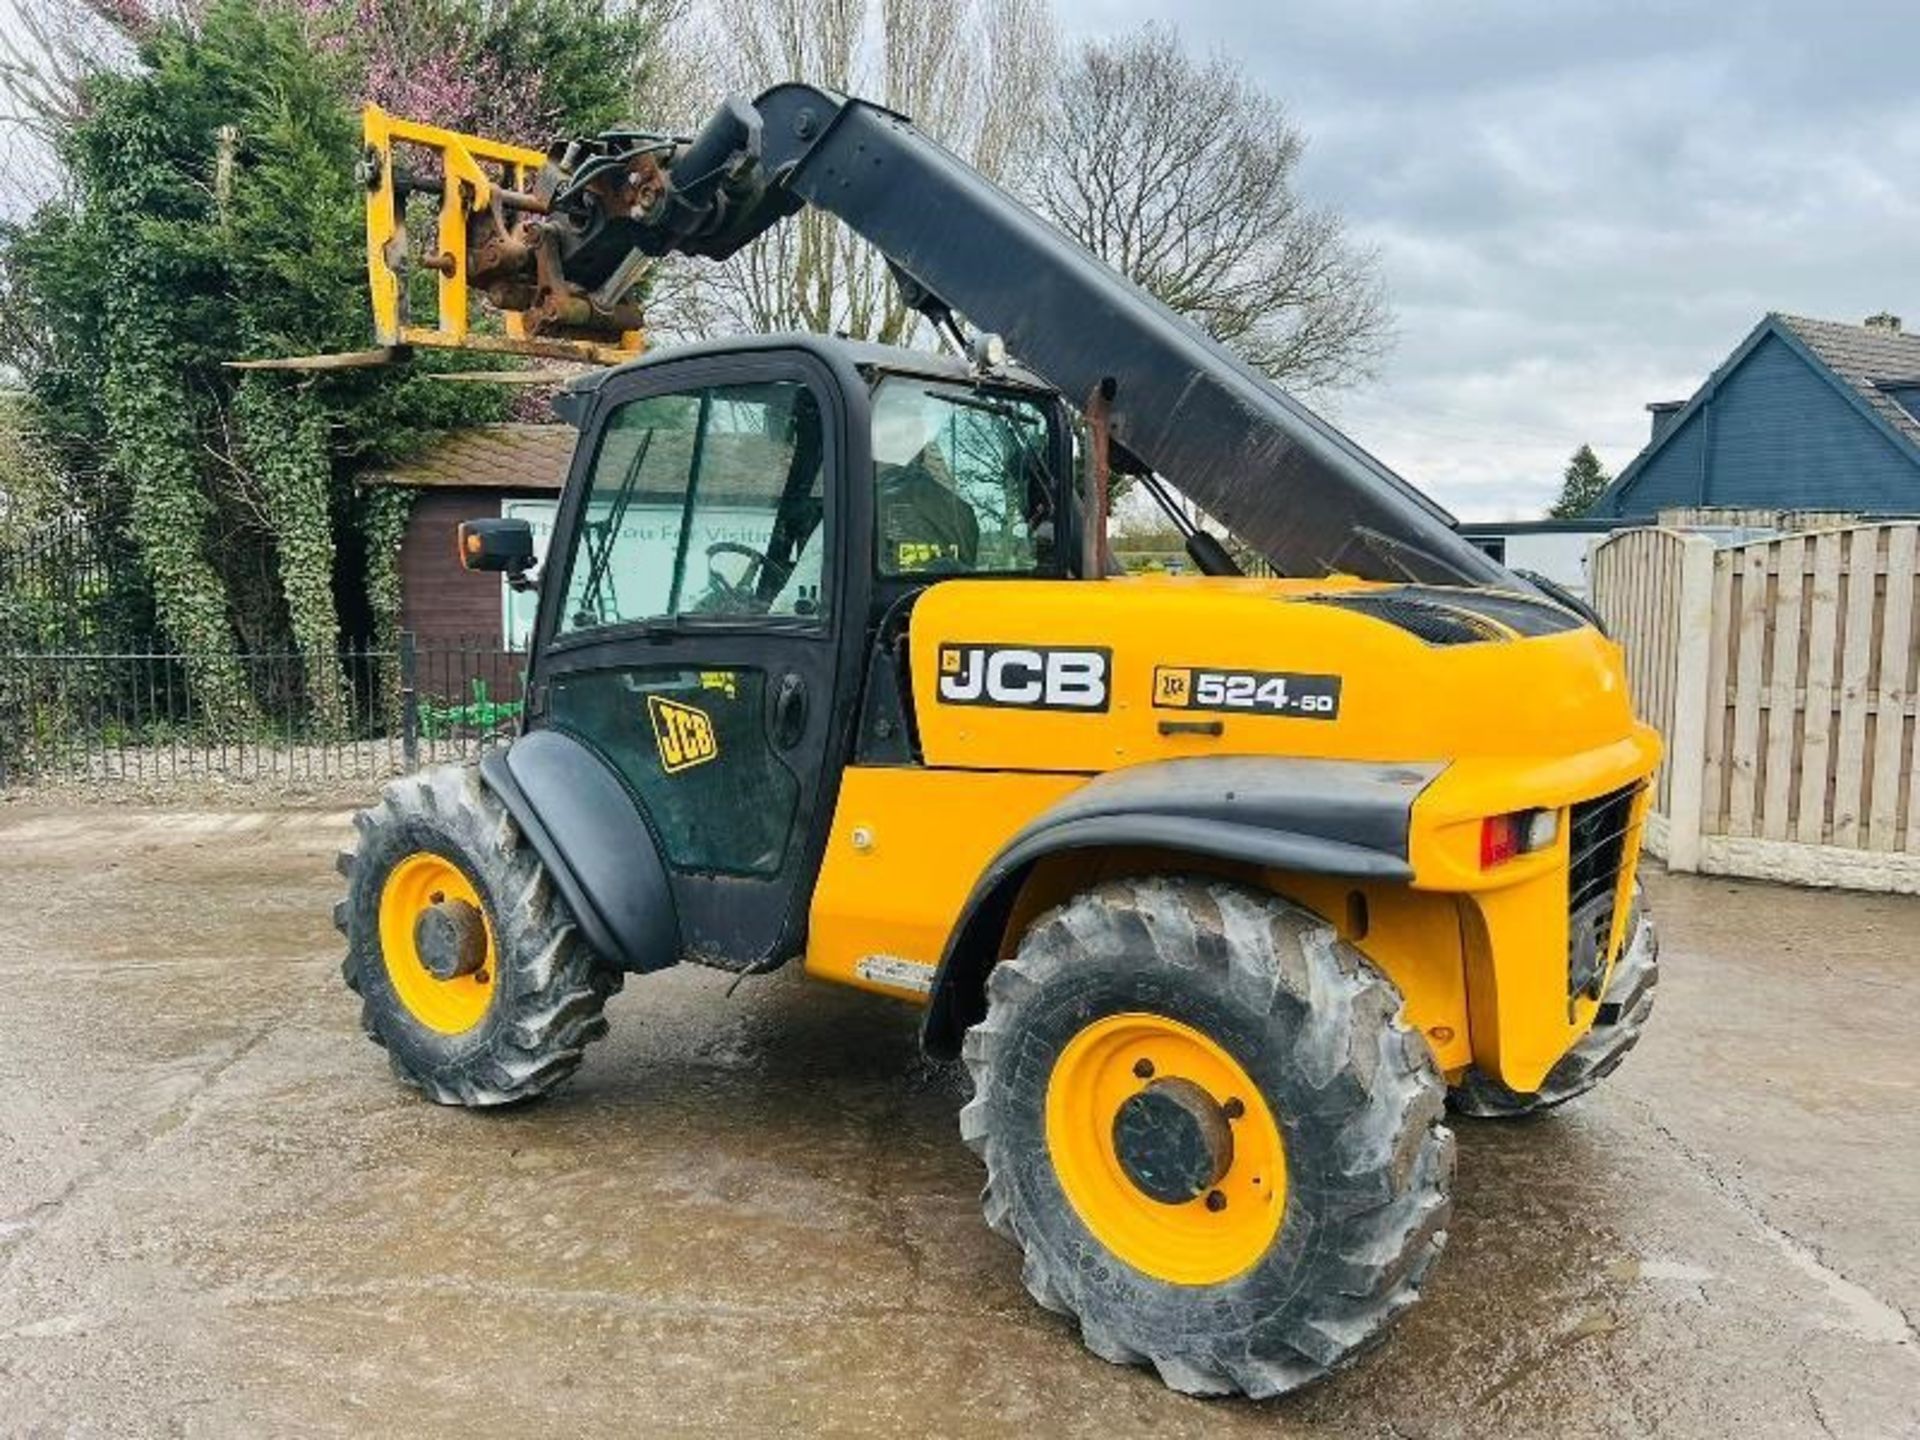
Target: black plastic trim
607,868
1526,615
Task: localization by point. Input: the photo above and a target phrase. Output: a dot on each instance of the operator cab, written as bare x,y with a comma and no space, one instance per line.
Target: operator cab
725,598
710,500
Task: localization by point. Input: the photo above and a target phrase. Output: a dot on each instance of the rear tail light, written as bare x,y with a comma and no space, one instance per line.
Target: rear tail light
1521,832
1499,840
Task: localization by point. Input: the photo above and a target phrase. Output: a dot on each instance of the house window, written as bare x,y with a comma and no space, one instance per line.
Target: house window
1494,545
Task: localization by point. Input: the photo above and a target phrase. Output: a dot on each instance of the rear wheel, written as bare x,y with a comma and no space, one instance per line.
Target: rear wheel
1209,1130
469,969
1624,1010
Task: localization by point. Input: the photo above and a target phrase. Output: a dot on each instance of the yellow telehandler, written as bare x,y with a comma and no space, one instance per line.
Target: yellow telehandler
1223,887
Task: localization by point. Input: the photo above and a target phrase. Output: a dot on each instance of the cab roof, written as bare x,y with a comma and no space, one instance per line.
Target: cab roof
834,349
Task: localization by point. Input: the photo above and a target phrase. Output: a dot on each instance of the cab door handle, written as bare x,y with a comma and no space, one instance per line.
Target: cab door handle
789,711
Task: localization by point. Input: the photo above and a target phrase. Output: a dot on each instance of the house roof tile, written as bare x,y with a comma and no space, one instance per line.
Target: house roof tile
1862,355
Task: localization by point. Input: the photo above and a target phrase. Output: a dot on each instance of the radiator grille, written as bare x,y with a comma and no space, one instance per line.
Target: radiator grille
1597,842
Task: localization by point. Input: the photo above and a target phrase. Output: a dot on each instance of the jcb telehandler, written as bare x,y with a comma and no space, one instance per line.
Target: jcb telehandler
1221,886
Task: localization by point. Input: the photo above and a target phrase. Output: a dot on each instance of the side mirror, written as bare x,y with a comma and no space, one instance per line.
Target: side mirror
499,546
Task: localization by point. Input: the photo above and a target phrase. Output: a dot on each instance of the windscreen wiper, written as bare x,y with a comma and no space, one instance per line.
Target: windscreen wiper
602,557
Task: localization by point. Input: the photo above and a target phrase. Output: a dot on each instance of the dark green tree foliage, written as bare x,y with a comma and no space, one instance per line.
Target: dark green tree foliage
283,442
382,520
157,261
1586,477
212,215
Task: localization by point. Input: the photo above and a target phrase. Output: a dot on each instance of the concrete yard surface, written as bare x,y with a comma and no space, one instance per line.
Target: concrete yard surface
752,1214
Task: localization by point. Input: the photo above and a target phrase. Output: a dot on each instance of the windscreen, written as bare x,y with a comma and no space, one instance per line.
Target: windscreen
960,480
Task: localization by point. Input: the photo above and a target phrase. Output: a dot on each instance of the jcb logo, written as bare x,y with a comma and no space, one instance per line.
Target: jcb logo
1025,677
685,735
1171,686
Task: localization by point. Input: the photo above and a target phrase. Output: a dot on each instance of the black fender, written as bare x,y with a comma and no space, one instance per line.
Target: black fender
1325,817
575,812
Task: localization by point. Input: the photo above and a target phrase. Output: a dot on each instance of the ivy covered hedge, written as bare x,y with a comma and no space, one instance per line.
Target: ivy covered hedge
211,213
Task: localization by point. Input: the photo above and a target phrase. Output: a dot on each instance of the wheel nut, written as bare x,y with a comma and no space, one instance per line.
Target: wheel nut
1216,1202
1143,1069
1233,1109
480,976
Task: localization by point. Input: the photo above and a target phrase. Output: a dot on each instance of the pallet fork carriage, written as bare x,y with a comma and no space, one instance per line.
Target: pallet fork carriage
491,198
1222,888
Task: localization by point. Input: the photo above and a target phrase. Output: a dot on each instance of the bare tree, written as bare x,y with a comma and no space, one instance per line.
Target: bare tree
48,48
1180,174
972,73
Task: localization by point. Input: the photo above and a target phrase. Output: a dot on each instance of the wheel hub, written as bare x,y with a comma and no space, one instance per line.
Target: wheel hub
451,938
437,943
1173,1141
1166,1149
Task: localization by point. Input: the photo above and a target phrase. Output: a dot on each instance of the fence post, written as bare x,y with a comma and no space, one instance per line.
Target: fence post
1692,705
409,703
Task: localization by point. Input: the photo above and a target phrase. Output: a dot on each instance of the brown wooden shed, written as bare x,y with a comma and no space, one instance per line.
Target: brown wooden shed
466,475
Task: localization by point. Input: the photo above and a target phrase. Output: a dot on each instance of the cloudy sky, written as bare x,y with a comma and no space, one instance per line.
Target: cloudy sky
1579,205
1583,205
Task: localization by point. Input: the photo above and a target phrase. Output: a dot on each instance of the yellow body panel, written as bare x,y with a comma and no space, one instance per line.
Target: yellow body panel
1402,699
908,845
1514,917
906,848
1513,724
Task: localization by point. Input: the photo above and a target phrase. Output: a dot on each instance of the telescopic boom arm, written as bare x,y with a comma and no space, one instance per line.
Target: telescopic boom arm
1286,482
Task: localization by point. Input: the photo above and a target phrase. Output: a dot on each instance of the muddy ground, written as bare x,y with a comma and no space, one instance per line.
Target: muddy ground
753,1215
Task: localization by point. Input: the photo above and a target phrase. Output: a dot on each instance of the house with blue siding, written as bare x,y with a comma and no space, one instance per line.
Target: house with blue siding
1805,415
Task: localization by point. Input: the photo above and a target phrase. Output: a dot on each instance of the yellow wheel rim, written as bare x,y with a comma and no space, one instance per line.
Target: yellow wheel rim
414,886
1202,1241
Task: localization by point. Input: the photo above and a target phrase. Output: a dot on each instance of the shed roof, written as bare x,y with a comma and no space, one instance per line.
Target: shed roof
488,457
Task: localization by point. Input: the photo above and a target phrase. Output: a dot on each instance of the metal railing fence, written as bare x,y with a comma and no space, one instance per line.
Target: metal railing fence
141,716
70,584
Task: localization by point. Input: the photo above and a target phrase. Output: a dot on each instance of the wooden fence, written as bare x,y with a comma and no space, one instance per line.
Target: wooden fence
1783,674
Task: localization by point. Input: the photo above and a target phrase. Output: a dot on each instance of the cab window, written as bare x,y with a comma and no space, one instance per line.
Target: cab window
705,502
961,483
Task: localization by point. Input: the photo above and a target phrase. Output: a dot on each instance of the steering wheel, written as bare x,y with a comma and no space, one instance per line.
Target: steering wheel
734,594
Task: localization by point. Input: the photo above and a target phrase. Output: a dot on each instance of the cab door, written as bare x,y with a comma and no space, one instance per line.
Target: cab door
691,620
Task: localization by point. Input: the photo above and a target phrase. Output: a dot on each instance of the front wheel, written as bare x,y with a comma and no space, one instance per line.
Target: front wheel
469,969
1210,1131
